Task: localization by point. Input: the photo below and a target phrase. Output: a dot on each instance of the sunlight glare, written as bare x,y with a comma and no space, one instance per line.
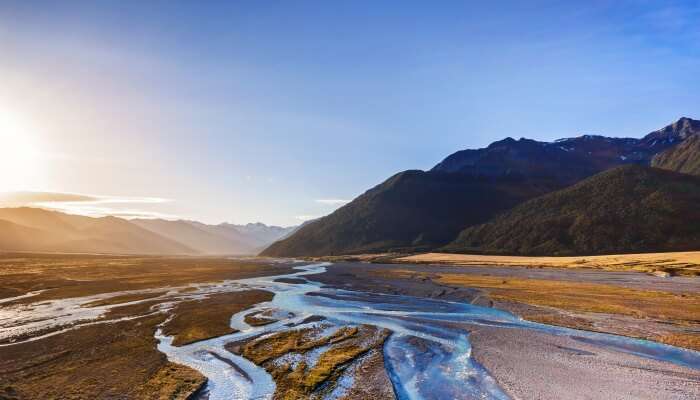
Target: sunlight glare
20,167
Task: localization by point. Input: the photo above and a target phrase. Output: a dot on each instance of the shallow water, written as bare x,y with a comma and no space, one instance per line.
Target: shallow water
427,356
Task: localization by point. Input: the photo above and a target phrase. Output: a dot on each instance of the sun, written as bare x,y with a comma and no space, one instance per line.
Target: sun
20,164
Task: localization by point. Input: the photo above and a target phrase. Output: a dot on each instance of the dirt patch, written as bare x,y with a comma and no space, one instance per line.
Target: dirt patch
63,276
264,317
204,319
117,360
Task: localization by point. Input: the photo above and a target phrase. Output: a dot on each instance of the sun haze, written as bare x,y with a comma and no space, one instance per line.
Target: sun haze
239,112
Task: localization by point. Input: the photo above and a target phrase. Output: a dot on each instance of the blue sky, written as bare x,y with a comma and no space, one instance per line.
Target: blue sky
252,110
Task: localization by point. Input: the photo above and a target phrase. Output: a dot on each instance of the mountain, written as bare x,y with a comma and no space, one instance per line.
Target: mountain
39,230
34,229
684,157
196,236
625,210
412,210
417,211
216,239
262,234
568,160
22,238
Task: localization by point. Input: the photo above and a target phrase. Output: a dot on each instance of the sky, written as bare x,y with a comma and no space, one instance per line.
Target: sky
281,111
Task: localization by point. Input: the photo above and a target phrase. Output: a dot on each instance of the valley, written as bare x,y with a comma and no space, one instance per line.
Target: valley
265,328
235,200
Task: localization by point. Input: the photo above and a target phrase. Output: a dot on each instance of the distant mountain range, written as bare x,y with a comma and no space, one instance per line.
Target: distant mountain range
39,230
445,207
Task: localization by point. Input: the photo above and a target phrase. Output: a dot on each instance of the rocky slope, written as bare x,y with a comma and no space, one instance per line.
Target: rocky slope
684,157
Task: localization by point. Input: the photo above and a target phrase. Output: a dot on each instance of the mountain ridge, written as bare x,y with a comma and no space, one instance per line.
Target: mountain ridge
568,159
684,157
41,230
535,168
384,218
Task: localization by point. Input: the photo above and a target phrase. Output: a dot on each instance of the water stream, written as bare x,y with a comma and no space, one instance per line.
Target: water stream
427,356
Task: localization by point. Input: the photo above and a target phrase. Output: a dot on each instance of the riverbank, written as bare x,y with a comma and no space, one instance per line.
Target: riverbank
82,326
105,343
660,264
624,303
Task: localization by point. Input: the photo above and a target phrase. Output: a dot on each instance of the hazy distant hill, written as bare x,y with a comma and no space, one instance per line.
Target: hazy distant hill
22,238
684,157
54,231
262,234
624,210
34,229
193,236
411,210
417,210
216,239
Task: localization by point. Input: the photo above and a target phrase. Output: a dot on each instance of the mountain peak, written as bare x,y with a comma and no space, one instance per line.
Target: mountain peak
677,131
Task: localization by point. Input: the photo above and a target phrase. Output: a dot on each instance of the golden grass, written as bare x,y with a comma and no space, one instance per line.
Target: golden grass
171,382
584,297
679,311
300,382
298,341
680,263
330,361
687,340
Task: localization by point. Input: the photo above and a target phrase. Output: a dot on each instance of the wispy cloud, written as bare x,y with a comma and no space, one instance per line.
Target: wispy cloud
87,204
332,202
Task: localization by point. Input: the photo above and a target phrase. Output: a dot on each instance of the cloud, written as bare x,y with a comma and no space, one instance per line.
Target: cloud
88,205
332,202
20,199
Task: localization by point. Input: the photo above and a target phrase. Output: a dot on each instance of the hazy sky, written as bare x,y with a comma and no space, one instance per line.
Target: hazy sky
275,111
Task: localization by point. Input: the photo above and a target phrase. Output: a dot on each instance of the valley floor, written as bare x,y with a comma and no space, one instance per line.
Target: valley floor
82,326
672,263
663,309
531,365
100,327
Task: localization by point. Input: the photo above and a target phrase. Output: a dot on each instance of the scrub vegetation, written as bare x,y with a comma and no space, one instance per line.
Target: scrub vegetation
299,375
